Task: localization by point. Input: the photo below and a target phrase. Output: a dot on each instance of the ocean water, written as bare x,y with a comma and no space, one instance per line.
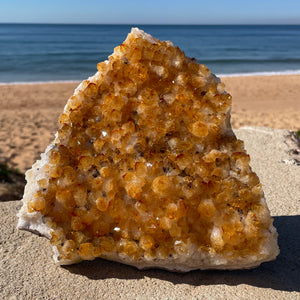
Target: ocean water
40,52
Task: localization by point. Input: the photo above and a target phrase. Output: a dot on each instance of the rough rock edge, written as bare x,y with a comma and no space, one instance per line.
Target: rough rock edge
293,143
35,222
289,138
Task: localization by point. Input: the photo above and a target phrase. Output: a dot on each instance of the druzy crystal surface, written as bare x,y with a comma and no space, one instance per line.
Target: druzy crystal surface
145,169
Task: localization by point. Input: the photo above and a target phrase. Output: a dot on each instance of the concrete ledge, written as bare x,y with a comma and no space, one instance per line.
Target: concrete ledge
27,270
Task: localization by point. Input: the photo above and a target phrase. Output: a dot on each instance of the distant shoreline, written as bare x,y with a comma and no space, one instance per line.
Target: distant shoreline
277,73
267,73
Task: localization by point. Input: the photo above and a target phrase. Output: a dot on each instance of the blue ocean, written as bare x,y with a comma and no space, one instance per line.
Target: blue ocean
42,52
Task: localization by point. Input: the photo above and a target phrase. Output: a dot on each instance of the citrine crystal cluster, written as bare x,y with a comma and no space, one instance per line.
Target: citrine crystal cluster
146,170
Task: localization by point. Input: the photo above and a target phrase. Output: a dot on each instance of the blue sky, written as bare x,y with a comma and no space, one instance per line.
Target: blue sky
151,11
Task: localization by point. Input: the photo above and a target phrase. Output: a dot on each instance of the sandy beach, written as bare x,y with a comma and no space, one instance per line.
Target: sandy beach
29,112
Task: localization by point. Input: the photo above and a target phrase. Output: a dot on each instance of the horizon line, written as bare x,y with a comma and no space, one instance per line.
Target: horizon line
153,24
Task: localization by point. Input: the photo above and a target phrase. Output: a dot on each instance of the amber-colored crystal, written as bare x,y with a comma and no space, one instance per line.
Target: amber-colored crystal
145,164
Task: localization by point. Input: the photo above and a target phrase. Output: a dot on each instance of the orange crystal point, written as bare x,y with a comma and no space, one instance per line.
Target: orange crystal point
146,170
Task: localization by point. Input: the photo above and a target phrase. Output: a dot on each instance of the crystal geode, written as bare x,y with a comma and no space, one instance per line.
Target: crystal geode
146,170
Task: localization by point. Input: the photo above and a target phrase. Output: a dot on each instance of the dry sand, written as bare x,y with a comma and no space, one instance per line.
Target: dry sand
270,101
29,113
